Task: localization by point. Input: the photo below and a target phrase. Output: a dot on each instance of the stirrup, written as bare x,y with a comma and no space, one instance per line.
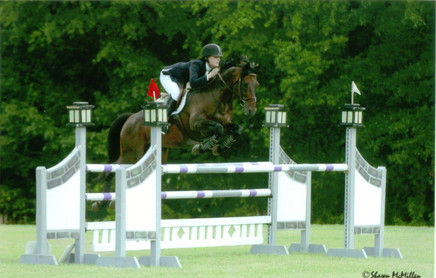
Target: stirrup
165,128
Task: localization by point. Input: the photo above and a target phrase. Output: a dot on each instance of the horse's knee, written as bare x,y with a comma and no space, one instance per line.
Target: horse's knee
216,128
213,128
208,128
234,129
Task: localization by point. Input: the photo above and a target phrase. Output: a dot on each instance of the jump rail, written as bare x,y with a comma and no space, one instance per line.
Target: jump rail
252,167
202,194
105,168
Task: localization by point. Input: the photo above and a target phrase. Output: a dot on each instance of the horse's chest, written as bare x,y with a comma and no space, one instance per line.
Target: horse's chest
224,117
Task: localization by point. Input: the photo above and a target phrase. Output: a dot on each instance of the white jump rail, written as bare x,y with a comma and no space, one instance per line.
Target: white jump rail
201,194
105,168
251,167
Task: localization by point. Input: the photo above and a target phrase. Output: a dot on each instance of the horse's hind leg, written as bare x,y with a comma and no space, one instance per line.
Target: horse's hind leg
134,140
165,155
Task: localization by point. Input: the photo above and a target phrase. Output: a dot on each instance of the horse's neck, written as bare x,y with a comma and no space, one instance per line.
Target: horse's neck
223,91
226,92
220,93
229,79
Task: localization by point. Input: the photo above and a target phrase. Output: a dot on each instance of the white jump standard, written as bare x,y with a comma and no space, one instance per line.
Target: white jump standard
60,207
365,191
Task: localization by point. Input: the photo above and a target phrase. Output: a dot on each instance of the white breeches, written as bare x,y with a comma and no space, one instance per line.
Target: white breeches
170,86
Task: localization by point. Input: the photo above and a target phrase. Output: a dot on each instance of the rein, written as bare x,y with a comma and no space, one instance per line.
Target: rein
224,82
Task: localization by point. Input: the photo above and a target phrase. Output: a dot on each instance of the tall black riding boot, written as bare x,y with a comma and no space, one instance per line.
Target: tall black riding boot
172,104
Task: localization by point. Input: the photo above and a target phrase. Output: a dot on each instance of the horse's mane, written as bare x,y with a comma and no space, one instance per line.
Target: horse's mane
240,61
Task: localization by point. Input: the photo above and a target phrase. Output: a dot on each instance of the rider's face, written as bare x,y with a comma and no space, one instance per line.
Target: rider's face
214,61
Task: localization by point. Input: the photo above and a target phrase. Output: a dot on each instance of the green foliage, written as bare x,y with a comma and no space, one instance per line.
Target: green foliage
55,53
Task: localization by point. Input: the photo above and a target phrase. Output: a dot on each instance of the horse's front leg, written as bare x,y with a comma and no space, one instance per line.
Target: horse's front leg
210,130
233,129
232,132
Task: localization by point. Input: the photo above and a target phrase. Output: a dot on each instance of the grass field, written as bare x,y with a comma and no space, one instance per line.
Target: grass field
416,245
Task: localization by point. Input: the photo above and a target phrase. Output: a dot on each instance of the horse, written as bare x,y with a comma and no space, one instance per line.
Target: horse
205,123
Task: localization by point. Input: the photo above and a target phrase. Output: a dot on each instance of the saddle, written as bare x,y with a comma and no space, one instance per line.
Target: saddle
164,98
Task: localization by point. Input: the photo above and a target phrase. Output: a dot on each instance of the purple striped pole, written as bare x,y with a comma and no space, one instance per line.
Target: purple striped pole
105,168
261,167
201,194
100,196
206,194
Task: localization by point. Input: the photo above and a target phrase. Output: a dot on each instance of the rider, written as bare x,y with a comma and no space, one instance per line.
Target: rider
197,72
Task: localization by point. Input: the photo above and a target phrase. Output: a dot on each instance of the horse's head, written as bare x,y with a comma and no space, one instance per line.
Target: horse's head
244,84
247,89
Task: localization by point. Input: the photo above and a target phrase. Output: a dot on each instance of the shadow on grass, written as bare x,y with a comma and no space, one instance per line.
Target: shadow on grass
8,261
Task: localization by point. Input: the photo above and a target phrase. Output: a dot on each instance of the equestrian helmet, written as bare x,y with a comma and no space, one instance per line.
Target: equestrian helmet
211,49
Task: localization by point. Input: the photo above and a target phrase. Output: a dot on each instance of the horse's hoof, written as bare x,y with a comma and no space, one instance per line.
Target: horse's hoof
112,204
196,149
215,151
94,206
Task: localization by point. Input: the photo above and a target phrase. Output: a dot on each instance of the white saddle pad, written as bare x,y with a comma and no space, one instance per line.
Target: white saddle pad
164,98
181,105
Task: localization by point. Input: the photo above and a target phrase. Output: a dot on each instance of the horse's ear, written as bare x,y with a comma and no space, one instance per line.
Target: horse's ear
243,60
231,61
250,67
254,67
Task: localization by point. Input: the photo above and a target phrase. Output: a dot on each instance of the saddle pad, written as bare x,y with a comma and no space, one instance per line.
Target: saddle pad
164,97
181,105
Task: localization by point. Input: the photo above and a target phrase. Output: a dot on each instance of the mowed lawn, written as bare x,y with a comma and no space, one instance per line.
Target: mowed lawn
416,245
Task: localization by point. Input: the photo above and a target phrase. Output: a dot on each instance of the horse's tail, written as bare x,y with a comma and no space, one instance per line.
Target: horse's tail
114,137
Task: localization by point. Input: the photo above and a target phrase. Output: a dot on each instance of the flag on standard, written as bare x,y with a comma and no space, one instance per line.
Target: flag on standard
354,88
153,90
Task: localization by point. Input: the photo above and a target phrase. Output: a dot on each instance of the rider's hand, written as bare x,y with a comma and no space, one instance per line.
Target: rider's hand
213,73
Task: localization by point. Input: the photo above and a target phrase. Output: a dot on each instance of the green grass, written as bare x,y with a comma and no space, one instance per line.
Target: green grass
416,245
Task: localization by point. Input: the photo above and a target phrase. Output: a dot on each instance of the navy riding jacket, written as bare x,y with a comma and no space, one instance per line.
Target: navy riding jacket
193,72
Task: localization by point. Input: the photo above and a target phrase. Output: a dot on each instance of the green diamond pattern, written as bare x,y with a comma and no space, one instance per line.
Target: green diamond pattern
232,230
180,233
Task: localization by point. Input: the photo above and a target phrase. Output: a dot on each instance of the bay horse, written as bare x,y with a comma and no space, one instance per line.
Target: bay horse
205,123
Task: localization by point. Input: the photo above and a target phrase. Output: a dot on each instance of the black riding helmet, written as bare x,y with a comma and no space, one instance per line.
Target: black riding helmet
211,49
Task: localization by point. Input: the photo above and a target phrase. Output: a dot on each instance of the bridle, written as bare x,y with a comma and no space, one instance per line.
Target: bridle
243,101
